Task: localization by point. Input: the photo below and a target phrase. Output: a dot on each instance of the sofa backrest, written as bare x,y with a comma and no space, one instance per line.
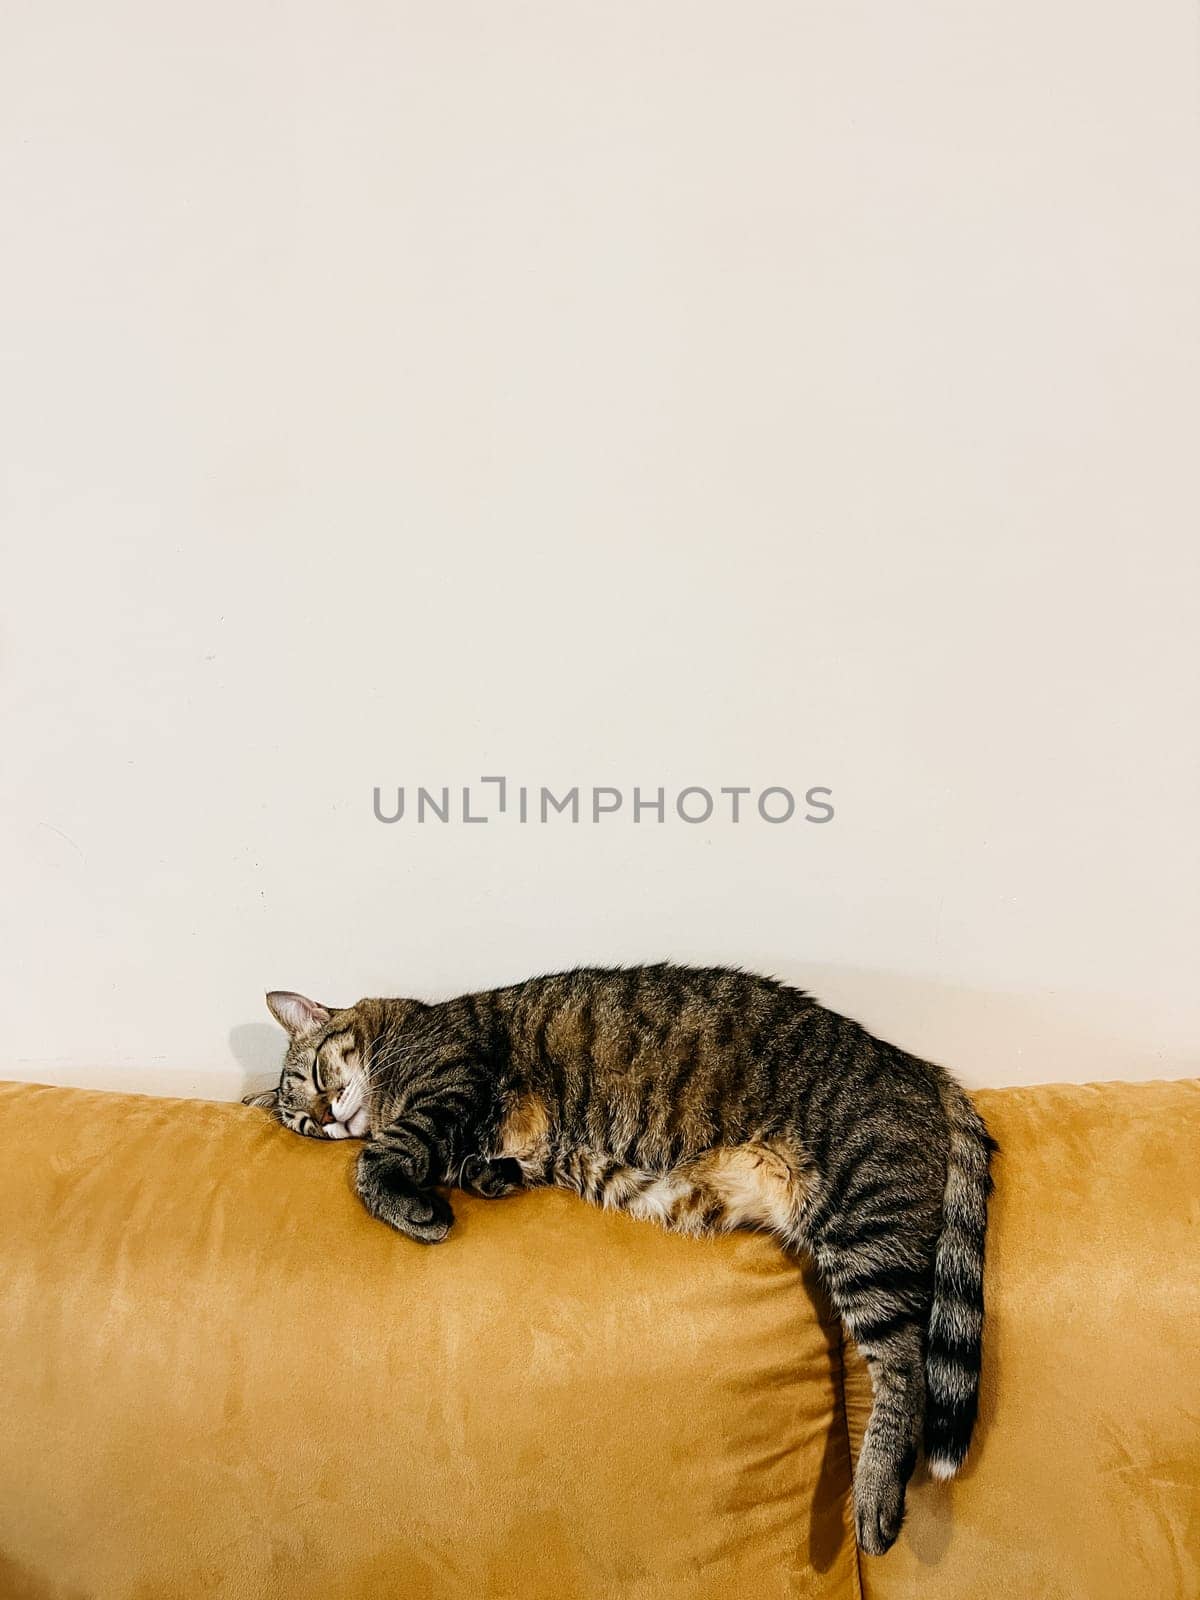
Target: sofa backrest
223,1378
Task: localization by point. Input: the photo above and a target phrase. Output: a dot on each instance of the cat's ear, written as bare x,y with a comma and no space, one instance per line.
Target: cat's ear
296,1015
268,1100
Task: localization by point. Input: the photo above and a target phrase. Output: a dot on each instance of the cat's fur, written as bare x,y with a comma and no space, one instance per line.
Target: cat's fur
704,1100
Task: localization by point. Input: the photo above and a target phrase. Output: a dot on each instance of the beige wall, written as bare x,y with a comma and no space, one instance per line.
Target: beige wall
771,394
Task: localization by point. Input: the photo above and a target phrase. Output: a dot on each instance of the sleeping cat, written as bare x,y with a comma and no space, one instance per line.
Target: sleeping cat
702,1099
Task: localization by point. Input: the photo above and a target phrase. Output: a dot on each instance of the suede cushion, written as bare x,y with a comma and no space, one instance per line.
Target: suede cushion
221,1378
1084,1479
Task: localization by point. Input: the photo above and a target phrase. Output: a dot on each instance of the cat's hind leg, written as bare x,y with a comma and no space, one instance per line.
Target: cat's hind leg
878,1269
889,1448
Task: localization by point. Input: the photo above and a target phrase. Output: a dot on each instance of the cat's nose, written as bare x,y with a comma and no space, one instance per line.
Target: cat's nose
326,1117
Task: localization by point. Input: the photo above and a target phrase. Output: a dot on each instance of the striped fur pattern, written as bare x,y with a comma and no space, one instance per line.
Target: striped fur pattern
701,1099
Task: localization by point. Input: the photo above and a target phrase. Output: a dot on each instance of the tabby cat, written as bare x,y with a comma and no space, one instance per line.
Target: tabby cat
703,1099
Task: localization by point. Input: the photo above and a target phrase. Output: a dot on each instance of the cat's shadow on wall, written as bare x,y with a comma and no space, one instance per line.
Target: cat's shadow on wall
257,1047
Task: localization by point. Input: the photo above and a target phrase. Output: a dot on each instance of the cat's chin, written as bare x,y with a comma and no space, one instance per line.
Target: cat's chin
356,1127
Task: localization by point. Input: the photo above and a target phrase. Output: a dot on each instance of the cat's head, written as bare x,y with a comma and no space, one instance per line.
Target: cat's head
324,1087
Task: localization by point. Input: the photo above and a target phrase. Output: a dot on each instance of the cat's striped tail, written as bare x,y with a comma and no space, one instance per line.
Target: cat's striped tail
954,1344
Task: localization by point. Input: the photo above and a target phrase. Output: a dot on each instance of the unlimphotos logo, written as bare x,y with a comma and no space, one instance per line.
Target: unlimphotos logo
536,803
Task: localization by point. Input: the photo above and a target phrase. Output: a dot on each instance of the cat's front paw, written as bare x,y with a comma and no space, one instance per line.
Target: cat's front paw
489,1180
423,1215
389,1194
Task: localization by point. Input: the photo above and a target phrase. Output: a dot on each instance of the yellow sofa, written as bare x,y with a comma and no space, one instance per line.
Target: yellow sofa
221,1378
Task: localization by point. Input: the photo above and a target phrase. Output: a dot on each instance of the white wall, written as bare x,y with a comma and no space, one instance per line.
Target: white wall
662,393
